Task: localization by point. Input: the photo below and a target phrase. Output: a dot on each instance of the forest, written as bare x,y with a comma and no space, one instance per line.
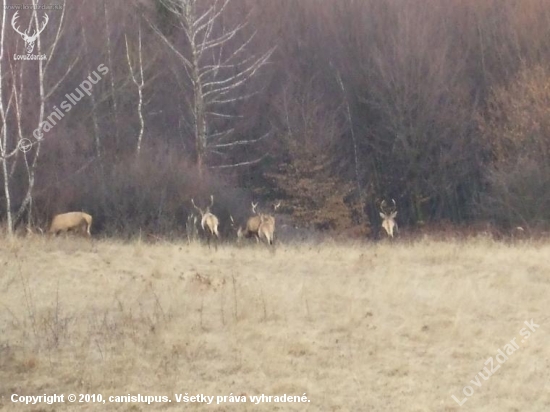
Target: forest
129,109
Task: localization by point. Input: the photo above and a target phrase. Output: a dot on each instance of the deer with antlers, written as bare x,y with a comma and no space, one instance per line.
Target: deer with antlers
29,39
388,218
267,228
209,221
261,226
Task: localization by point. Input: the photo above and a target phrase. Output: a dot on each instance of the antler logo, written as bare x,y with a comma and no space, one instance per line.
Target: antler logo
29,39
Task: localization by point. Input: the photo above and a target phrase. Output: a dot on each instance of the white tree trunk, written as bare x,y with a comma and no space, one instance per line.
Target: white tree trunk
139,85
217,70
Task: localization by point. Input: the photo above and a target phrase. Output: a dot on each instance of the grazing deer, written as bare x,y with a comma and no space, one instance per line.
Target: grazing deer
252,225
260,226
266,228
72,221
209,220
388,218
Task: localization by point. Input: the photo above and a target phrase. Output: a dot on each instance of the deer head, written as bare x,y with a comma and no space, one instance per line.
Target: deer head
204,211
29,39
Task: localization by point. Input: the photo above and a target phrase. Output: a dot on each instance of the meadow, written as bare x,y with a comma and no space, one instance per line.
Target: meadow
388,326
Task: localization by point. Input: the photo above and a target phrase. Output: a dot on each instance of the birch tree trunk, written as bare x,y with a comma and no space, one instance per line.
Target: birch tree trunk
139,85
4,137
112,72
44,94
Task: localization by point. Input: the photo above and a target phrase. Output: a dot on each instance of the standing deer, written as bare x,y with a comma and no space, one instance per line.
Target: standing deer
209,220
261,226
388,218
267,228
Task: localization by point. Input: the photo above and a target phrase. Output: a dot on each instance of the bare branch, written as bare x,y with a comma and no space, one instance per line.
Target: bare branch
62,78
216,71
251,162
186,62
57,36
240,142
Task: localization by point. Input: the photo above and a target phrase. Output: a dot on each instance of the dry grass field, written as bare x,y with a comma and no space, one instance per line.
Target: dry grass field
397,326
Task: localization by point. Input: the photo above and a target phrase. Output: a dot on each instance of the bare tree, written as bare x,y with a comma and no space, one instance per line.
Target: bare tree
217,71
110,61
97,133
354,143
139,82
3,117
44,93
13,142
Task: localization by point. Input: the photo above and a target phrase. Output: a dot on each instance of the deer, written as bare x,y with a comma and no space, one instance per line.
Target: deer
209,221
388,218
71,221
267,228
251,227
29,39
260,226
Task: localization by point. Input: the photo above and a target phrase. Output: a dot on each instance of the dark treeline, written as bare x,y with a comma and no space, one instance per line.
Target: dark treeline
330,106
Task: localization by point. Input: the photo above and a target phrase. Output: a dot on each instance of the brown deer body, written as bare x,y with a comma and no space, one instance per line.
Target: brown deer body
209,221
267,228
71,221
261,226
252,226
388,218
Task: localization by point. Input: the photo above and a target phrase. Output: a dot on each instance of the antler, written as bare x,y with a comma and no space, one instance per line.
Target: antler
276,206
195,206
13,19
25,35
254,205
211,201
383,206
46,19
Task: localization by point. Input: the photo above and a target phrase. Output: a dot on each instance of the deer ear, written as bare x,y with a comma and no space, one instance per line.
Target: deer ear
393,215
382,215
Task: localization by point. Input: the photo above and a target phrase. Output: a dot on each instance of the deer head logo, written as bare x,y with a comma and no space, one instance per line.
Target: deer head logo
29,39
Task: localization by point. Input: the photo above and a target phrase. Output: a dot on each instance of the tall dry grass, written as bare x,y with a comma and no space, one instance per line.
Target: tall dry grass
396,326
